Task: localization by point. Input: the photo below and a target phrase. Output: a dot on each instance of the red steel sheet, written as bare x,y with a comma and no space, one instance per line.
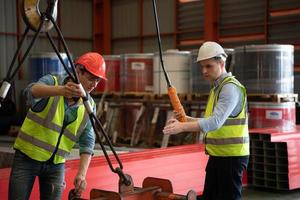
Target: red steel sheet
292,140
184,166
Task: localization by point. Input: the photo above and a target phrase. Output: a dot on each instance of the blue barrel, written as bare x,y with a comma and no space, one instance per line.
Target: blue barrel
41,64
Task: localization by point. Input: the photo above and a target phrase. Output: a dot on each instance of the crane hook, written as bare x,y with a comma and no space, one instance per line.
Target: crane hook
33,16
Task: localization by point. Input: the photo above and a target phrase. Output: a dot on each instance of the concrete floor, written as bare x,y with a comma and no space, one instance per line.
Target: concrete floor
252,193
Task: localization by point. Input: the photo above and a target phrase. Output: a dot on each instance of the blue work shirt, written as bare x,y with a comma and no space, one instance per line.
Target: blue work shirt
229,103
87,138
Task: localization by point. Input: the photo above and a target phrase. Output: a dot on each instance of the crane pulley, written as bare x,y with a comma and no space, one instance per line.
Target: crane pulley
33,16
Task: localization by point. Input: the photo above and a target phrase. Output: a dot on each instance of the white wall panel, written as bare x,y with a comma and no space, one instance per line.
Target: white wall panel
125,46
165,13
77,18
79,47
151,45
241,13
283,4
8,43
125,18
285,29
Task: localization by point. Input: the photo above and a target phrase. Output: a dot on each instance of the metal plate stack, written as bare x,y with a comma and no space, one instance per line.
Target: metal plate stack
274,161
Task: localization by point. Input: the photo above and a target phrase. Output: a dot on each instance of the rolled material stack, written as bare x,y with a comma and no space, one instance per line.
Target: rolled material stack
267,72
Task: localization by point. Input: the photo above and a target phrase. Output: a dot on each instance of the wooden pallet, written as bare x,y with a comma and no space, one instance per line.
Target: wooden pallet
125,95
106,94
135,95
181,96
197,97
151,96
279,98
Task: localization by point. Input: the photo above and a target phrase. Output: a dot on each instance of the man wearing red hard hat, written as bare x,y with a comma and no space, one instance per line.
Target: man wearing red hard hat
55,121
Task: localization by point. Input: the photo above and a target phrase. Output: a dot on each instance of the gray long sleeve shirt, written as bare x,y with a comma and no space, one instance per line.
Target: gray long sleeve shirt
229,104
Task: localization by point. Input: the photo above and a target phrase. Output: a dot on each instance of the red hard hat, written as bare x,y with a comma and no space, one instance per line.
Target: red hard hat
93,63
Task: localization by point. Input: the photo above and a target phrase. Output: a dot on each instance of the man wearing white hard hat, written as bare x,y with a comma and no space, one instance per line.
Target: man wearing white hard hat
225,127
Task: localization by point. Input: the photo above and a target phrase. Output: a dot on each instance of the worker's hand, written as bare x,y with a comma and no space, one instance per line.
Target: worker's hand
71,89
173,127
80,184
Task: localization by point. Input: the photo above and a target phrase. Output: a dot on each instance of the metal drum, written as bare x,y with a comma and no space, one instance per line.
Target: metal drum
197,83
270,114
265,69
113,65
41,64
137,73
177,66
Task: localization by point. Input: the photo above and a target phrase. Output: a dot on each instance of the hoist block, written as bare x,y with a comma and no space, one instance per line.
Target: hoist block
32,14
153,189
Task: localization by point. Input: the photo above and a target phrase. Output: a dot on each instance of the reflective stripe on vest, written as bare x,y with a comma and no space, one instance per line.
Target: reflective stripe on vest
49,124
221,141
40,131
232,139
230,122
41,144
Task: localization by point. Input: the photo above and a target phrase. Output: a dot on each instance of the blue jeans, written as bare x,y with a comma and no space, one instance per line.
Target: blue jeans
23,174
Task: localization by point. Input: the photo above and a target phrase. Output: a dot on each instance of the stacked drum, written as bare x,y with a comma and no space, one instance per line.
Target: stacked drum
137,72
113,65
177,65
267,70
41,64
272,114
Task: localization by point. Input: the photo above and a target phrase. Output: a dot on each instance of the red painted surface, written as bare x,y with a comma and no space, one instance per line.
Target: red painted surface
278,134
263,115
113,64
184,166
4,180
102,26
211,12
292,140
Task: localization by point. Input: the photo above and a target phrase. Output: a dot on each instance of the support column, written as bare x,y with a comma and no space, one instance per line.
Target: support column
211,18
102,26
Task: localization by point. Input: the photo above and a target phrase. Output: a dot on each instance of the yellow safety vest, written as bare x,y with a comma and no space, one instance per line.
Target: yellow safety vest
232,139
42,131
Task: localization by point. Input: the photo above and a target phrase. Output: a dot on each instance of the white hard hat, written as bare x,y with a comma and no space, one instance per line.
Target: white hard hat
210,50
